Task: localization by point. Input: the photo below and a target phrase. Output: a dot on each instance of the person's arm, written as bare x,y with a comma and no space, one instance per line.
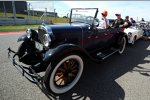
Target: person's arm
106,22
124,25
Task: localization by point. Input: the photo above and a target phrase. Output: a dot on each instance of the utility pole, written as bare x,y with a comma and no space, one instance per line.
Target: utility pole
67,17
55,15
4,9
28,10
33,11
46,13
14,9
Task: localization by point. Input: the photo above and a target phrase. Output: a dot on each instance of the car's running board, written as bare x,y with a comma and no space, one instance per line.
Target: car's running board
103,55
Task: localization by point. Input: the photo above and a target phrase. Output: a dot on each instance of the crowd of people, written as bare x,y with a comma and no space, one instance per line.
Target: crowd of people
119,22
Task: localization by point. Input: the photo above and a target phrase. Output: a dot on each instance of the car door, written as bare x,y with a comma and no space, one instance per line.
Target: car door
103,37
96,39
91,40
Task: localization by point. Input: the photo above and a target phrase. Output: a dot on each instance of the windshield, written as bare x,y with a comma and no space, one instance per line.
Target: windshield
82,15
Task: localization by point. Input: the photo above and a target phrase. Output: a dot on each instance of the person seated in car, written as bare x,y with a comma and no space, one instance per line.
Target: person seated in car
127,23
132,21
118,22
104,23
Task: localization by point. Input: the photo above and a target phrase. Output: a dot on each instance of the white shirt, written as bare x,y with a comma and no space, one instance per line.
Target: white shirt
101,24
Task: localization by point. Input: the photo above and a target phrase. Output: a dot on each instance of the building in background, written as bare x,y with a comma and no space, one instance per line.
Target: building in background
6,6
40,13
22,7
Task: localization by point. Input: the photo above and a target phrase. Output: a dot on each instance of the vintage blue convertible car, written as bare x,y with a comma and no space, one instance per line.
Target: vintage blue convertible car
60,50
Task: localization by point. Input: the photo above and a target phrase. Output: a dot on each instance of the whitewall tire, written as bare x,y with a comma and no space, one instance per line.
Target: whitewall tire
64,75
122,45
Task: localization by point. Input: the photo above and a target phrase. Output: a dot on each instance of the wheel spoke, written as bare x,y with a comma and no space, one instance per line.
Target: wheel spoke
59,74
72,63
74,71
59,78
65,80
65,66
73,67
69,64
62,70
61,81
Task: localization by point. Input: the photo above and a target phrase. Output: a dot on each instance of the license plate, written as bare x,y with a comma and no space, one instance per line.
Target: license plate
38,46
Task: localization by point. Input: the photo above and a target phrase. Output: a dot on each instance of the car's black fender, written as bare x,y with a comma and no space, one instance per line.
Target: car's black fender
121,35
62,50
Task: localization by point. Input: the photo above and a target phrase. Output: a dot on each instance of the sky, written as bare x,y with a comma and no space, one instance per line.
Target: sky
134,9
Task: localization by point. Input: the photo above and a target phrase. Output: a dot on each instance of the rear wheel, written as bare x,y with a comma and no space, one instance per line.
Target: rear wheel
62,75
122,45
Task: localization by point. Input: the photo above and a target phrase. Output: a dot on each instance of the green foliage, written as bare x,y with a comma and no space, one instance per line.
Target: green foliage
54,20
16,28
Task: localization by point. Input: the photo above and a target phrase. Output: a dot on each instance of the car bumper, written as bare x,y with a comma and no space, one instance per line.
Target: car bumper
129,40
26,71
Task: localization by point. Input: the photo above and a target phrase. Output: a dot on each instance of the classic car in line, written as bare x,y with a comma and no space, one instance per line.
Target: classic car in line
134,33
60,50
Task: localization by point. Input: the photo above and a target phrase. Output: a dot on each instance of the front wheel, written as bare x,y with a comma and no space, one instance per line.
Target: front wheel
62,75
122,45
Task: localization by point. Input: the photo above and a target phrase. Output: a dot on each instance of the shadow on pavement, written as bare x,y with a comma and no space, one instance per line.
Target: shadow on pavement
98,80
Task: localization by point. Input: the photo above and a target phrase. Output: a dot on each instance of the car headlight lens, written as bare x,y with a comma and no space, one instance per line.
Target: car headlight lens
28,31
46,40
129,34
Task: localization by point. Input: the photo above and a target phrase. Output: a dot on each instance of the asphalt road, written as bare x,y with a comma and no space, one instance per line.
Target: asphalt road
119,77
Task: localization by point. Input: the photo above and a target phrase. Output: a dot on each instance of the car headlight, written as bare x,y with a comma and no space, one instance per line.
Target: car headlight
28,31
130,34
46,40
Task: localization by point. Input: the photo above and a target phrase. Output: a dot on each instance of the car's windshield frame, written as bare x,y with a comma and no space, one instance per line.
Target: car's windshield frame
71,14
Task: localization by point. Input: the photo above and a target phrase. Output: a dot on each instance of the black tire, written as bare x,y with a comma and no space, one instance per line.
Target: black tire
122,45
26,54
61,75
21,50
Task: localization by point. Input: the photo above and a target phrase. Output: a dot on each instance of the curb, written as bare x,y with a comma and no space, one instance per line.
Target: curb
7,33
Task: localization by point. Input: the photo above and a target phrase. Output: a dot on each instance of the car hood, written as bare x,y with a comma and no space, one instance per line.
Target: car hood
61,28
71,33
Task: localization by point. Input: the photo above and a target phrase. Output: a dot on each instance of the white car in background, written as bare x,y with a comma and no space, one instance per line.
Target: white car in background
134,33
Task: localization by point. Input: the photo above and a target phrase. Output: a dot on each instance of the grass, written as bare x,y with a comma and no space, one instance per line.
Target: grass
16,28
54,20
